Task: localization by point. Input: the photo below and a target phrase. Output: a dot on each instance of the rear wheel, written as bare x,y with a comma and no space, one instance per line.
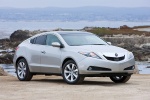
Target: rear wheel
23,72
70,73
120,79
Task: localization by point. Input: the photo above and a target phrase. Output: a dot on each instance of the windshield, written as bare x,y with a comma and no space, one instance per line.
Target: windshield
82,39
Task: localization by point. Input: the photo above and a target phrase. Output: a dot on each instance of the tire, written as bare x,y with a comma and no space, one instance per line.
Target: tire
70,73
120,79
22,70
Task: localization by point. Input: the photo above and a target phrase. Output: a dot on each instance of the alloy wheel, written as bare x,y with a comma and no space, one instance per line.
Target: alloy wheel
71,72
21,70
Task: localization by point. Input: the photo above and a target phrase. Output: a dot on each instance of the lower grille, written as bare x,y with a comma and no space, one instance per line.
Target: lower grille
94,68
107,74
115,58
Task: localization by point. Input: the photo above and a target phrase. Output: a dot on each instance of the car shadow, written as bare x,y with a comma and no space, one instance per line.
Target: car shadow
103,83
85,82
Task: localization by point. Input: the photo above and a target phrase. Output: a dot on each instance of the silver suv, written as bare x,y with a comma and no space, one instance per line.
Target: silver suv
74,55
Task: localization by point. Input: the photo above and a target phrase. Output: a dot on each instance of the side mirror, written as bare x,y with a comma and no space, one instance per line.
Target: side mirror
56,44
109,43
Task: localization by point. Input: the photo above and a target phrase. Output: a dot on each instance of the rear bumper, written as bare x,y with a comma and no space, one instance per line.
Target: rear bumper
106,67
14,60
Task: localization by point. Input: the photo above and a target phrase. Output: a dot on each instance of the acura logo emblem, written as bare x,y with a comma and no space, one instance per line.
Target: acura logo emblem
116,54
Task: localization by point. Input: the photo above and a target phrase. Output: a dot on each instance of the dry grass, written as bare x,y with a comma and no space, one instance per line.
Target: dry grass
114,31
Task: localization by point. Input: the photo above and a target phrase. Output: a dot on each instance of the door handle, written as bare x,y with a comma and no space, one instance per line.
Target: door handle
43,52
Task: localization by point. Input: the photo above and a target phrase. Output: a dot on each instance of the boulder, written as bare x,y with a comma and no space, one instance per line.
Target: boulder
146,46
20,35
6,59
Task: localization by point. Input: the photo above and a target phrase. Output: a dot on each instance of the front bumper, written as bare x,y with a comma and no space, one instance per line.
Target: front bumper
113,66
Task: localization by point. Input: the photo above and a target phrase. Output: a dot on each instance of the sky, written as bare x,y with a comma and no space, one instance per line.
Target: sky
73,3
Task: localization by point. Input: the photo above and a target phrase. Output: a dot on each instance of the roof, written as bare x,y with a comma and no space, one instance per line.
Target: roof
62,32
72,32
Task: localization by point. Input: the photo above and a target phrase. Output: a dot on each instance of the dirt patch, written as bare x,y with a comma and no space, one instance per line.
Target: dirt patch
54,88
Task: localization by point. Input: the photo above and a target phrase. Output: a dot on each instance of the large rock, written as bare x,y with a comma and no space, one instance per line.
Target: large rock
20,35
6,59
146,46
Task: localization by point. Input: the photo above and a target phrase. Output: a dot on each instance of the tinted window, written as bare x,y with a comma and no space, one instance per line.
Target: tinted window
41,40
51,38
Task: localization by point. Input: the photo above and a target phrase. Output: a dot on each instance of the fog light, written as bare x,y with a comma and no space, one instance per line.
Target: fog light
130,68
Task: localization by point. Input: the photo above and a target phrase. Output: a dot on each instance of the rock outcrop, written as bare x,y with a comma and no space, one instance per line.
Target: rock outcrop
138,44
6,59
20,35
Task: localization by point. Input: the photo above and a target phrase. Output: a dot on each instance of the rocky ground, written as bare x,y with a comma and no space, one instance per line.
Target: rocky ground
124,37
54,88
2,72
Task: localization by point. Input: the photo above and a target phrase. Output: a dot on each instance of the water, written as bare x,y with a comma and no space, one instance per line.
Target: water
6,28
9,68
143,67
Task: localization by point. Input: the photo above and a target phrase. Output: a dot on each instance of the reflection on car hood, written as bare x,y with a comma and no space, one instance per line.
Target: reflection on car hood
107,50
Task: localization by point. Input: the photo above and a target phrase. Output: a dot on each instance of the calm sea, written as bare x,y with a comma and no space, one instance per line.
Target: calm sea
6,28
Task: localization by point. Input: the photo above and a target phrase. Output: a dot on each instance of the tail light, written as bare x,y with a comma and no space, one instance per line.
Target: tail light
16,48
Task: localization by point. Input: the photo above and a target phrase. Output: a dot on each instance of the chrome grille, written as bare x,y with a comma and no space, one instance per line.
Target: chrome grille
115,58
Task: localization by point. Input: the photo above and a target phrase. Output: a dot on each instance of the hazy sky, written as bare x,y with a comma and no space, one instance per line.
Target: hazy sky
73,3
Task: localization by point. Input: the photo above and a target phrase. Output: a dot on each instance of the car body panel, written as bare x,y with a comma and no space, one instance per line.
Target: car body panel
51,59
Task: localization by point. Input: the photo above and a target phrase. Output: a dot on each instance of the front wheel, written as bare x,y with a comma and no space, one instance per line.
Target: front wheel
70,73
120,79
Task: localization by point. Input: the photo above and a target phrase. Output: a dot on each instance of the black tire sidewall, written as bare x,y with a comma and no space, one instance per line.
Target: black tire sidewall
28,74
124,79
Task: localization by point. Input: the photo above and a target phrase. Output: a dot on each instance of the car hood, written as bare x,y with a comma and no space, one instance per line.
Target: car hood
106,50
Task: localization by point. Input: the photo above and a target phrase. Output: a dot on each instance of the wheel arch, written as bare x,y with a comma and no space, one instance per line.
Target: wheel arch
65,60
21,57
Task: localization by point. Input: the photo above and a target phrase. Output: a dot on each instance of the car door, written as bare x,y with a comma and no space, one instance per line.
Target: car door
37,44
51,56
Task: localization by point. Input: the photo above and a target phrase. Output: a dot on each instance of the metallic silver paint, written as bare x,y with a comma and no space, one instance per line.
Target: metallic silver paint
51,60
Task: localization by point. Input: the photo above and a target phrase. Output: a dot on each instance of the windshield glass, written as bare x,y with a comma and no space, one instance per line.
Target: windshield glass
82,39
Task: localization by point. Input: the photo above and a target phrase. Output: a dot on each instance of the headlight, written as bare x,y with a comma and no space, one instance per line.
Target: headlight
130,55
90,54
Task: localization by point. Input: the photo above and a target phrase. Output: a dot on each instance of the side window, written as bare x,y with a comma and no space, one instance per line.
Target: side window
51,38
33,40
41,40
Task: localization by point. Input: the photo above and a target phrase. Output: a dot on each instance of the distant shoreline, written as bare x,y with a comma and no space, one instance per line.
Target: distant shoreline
8,27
